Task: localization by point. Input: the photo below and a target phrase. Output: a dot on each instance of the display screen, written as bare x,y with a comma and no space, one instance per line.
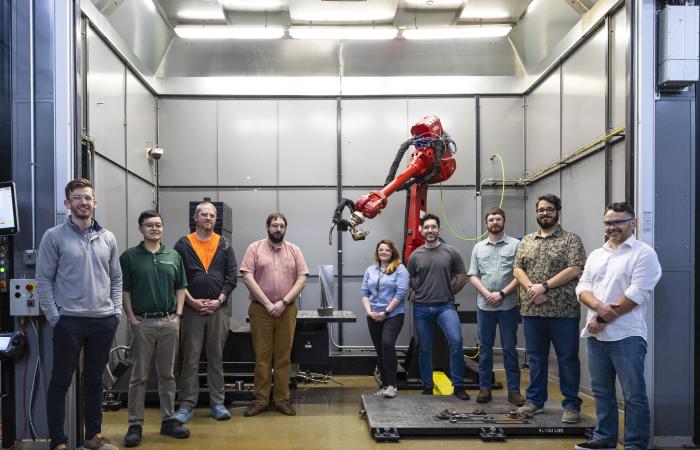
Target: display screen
4,343
8,209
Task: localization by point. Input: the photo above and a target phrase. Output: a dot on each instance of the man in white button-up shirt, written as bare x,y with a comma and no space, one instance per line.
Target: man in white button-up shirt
617,285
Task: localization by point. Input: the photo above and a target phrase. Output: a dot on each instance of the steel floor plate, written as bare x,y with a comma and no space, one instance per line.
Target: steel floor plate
416,415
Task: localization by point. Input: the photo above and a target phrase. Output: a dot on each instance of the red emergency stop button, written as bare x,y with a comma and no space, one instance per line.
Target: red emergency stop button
29,288
3,284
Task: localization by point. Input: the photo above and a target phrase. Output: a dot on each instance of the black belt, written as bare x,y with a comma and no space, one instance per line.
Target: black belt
154,315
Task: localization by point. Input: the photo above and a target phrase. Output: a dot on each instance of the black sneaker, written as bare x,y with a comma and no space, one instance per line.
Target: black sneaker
133,436
174,428
593,445
427,391
461,394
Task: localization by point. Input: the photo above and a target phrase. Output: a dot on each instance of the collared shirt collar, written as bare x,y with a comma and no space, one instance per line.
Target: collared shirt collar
502,239
628,243
94,227
556,233
142,246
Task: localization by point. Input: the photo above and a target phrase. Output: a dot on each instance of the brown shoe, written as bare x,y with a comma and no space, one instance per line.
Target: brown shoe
484,396
516,398
254,409
286,408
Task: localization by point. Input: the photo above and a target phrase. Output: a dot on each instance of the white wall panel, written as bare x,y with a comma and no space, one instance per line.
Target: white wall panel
513,205
461,215
139,199
355,333
617,185
583,200
175,209
542,123
583,93
548,185
458,118
357,255
308,142
619,72
372,131
502,122
110,193
250,208
247,142
140,127
105,82
188,135
309,215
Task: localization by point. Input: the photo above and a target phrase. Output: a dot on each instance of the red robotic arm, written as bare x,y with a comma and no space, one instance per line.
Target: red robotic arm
431,161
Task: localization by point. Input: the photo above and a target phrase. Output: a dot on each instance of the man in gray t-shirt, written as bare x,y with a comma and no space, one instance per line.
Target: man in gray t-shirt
437,273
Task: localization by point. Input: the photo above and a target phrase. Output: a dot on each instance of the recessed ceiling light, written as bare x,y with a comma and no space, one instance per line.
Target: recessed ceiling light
343,33
458,32
227,32
202,12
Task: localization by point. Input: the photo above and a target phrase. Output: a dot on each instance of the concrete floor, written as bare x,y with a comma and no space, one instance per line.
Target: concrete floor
327,418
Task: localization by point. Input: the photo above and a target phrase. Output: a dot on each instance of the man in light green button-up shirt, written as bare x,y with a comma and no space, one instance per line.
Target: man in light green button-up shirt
491,274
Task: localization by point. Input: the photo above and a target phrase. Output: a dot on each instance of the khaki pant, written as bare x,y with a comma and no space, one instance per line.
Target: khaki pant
272,343
153,337
211,332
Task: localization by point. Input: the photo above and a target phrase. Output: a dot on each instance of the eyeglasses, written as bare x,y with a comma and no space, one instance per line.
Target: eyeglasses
610,223
543,211
156,225
77,198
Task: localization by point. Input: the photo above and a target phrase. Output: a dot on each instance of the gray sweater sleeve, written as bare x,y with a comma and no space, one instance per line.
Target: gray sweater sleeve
115,276
46,264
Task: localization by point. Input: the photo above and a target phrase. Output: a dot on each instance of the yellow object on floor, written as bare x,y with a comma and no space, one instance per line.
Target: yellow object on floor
441,384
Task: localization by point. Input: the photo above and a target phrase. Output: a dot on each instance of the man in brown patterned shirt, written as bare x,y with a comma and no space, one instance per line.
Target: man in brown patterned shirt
547,266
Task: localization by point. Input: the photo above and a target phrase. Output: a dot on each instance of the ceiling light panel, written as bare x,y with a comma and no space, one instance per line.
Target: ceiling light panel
227,32
432,4
343,33
255,5
319,11
458,32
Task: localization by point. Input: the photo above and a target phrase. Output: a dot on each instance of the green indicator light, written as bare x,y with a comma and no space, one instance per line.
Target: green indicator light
2,270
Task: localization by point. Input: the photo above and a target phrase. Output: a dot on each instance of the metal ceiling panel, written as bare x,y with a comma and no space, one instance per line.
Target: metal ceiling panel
431,4
286,57
544,25
143,29
320,11
494,10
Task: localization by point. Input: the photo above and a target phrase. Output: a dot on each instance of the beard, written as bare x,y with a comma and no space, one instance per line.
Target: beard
275,237
495,228
546,223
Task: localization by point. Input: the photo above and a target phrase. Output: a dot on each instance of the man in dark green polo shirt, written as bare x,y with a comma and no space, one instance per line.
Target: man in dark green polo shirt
154,294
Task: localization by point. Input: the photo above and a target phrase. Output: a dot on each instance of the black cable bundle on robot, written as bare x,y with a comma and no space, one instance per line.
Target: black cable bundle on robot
439,144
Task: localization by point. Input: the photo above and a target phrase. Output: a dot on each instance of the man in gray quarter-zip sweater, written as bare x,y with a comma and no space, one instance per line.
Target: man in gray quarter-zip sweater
79,282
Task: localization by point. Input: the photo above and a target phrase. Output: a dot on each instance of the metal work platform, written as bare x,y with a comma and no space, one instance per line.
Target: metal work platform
422,415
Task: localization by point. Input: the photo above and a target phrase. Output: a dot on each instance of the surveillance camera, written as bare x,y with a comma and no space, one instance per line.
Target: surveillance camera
155,153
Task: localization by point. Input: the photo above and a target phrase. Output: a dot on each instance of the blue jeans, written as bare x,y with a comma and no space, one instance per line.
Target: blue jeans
507,322
71,334
445,315
562,332
624,359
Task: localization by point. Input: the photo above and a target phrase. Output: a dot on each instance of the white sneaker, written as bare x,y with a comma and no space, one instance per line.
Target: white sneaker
390,392
380,392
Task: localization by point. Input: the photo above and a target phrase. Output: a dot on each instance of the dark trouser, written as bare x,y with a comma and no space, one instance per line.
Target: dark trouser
623,359
562,333
445,315
507,322
71,335
384,335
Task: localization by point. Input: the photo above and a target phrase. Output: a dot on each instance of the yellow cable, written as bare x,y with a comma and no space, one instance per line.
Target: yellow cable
478,350
500,205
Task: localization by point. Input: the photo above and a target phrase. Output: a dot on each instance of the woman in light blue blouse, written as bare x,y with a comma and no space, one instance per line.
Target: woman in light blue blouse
384,289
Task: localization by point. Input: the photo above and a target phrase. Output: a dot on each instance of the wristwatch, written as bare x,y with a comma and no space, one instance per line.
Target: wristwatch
179,315
600,319
503,294
546,286
387,312
286,303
